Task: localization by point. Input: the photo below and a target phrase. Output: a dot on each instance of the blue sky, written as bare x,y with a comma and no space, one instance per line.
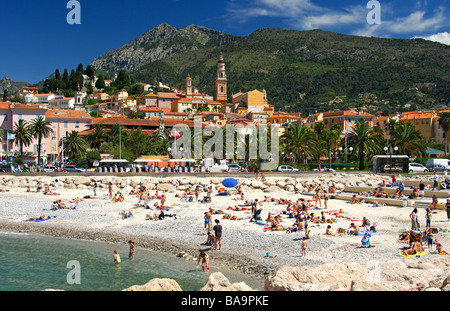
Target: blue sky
37,38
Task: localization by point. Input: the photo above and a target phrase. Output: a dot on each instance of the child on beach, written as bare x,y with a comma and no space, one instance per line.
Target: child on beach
304,245
116,257
132,249
205,260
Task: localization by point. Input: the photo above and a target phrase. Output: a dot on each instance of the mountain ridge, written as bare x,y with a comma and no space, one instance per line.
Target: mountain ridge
159,42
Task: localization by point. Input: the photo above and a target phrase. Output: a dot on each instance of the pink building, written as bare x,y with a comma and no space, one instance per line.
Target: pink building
10,114
63,122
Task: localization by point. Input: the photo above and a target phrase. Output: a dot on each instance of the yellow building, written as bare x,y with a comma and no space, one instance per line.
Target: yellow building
424,122
194,104
253,101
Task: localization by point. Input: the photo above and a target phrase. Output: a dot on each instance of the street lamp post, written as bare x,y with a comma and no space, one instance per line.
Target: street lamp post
346,151
389,151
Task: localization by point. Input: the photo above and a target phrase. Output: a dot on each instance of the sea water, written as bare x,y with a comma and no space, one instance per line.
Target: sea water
34,263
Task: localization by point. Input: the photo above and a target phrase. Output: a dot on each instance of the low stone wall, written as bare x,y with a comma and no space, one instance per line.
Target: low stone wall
270,184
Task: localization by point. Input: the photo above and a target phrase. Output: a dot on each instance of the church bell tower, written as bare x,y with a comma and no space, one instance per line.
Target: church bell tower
221,81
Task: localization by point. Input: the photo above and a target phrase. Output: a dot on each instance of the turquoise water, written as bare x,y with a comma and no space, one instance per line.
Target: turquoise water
34,263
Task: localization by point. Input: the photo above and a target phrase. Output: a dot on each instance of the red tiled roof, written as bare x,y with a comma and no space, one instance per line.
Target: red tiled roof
71,114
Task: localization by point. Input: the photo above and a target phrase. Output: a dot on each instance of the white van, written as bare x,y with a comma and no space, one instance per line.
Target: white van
431,163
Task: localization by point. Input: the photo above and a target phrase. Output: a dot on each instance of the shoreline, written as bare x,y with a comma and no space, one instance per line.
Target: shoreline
221,258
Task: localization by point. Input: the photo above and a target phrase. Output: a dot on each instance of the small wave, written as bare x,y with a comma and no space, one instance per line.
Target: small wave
13,233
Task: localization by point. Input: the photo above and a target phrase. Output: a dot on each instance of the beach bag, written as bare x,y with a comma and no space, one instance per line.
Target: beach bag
340,230
372,228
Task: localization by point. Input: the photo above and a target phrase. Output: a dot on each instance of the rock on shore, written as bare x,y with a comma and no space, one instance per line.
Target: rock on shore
272,184
394,275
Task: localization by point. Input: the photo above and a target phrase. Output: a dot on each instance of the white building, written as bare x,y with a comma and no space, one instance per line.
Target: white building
30,98
62,102
44,98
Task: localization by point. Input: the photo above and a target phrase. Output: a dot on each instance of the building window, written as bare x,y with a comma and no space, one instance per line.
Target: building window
5,118
77,124
53,124
19,116
66,124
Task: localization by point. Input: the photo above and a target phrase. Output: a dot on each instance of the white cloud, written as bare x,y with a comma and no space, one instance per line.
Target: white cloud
415,22
305,15
442,37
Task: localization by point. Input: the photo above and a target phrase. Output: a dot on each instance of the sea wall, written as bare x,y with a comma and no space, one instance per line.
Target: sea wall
297,183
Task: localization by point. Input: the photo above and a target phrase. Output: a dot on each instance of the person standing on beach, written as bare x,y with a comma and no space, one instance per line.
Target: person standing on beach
116,257
95,189
428,216
304,245
218,234
447,205
210,194
132,249
208,221
436,181
110,189
197,192
414,221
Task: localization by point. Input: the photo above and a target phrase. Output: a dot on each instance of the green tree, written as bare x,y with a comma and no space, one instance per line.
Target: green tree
5,95
97,136
40,128
65,80
298,141
408,140
123,81
90,72
22,135
444,123
74,145
362,139
100,84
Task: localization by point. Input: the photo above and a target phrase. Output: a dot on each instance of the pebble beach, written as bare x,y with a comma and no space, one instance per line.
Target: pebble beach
246,244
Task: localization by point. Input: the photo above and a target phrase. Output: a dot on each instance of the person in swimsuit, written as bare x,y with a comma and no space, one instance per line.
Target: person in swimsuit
116,257
205,260
208,220
110,189
218,234
416,247
304,245
132,249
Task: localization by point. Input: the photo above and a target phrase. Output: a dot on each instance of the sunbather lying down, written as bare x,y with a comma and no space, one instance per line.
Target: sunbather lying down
232,217
36,218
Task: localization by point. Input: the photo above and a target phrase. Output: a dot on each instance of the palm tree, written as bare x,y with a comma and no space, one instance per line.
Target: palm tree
22,135
298,141
444,122
74,145
408,140
363,140
97,136
40,128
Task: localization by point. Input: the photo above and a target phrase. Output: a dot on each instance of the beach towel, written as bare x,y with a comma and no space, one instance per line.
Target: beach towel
38,220
413,255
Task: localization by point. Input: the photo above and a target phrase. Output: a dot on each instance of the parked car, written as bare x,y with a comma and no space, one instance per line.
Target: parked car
287,168
234,168
74,168
431,163
417,168
440,168
49,169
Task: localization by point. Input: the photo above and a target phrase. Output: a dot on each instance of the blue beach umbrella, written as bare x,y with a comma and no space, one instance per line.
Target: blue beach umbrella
230,182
